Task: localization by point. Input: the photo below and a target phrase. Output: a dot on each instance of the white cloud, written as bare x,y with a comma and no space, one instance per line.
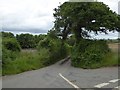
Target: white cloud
27,13
110,35
113,4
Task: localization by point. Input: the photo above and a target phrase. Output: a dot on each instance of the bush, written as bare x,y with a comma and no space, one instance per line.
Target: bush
10,50
24,61
44,56
7,35
89,52
8,56
56,49
43,44
26,40
11,44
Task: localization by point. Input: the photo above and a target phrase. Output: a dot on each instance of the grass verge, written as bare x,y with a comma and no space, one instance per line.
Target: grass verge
111,59
25,61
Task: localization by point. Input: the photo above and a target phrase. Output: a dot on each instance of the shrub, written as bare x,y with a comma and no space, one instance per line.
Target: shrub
10,49
44,56
55,49
25,61
89,52
8,56
26,40
7,35
11,44
43,44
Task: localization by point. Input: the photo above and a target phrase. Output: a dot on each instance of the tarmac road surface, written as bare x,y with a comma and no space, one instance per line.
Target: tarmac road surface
64,76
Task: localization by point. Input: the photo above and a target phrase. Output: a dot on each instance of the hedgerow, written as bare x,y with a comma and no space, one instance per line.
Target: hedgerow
56,50
89,52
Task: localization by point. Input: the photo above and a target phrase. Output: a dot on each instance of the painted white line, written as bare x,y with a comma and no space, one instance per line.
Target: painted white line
115,80
68,81
118,87
101,85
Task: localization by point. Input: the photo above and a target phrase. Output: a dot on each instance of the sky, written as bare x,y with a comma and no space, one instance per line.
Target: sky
36,16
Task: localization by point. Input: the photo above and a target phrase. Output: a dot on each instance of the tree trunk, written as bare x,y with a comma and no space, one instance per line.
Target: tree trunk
78,35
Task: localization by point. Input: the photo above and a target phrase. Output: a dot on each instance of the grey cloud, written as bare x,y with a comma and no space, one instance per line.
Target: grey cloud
110,35
30,30
119,7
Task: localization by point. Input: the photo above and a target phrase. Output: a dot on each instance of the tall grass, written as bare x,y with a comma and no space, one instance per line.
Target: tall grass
95,54
25,61
111,59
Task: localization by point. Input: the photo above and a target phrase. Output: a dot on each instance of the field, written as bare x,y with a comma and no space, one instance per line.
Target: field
114,46
112,59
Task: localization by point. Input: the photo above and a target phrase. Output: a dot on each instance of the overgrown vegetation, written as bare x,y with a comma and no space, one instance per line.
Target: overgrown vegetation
56,49
27,41
94,54
49,51
25,61
79,19
73,24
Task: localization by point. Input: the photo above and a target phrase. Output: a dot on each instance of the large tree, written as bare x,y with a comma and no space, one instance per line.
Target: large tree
81,18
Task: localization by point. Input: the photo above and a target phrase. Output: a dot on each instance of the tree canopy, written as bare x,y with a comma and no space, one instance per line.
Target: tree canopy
7,34
28,40
81,18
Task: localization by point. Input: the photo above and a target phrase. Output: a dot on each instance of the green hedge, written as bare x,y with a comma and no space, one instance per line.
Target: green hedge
24,61
56,50
89,52
11,44
9,53
10,50
8,56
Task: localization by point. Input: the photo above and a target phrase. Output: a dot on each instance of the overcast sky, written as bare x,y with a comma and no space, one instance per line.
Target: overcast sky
35,16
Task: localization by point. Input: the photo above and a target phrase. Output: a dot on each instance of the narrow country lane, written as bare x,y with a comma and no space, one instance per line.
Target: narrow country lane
64,76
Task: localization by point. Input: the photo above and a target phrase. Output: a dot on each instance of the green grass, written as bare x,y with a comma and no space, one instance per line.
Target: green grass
0,71
25,61
28,60
110,60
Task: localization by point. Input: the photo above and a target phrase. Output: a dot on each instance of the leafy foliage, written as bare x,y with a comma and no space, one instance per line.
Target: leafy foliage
11,44
8,56
10,48
71,40
93,52
26,40
84,17
56,50
38,38
29,40
24,61
7,34
79,19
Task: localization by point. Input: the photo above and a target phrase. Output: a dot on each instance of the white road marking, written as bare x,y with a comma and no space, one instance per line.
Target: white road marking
68,81
101,85
114,80
118,87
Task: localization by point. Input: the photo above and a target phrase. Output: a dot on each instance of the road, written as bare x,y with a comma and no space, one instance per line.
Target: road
64,76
